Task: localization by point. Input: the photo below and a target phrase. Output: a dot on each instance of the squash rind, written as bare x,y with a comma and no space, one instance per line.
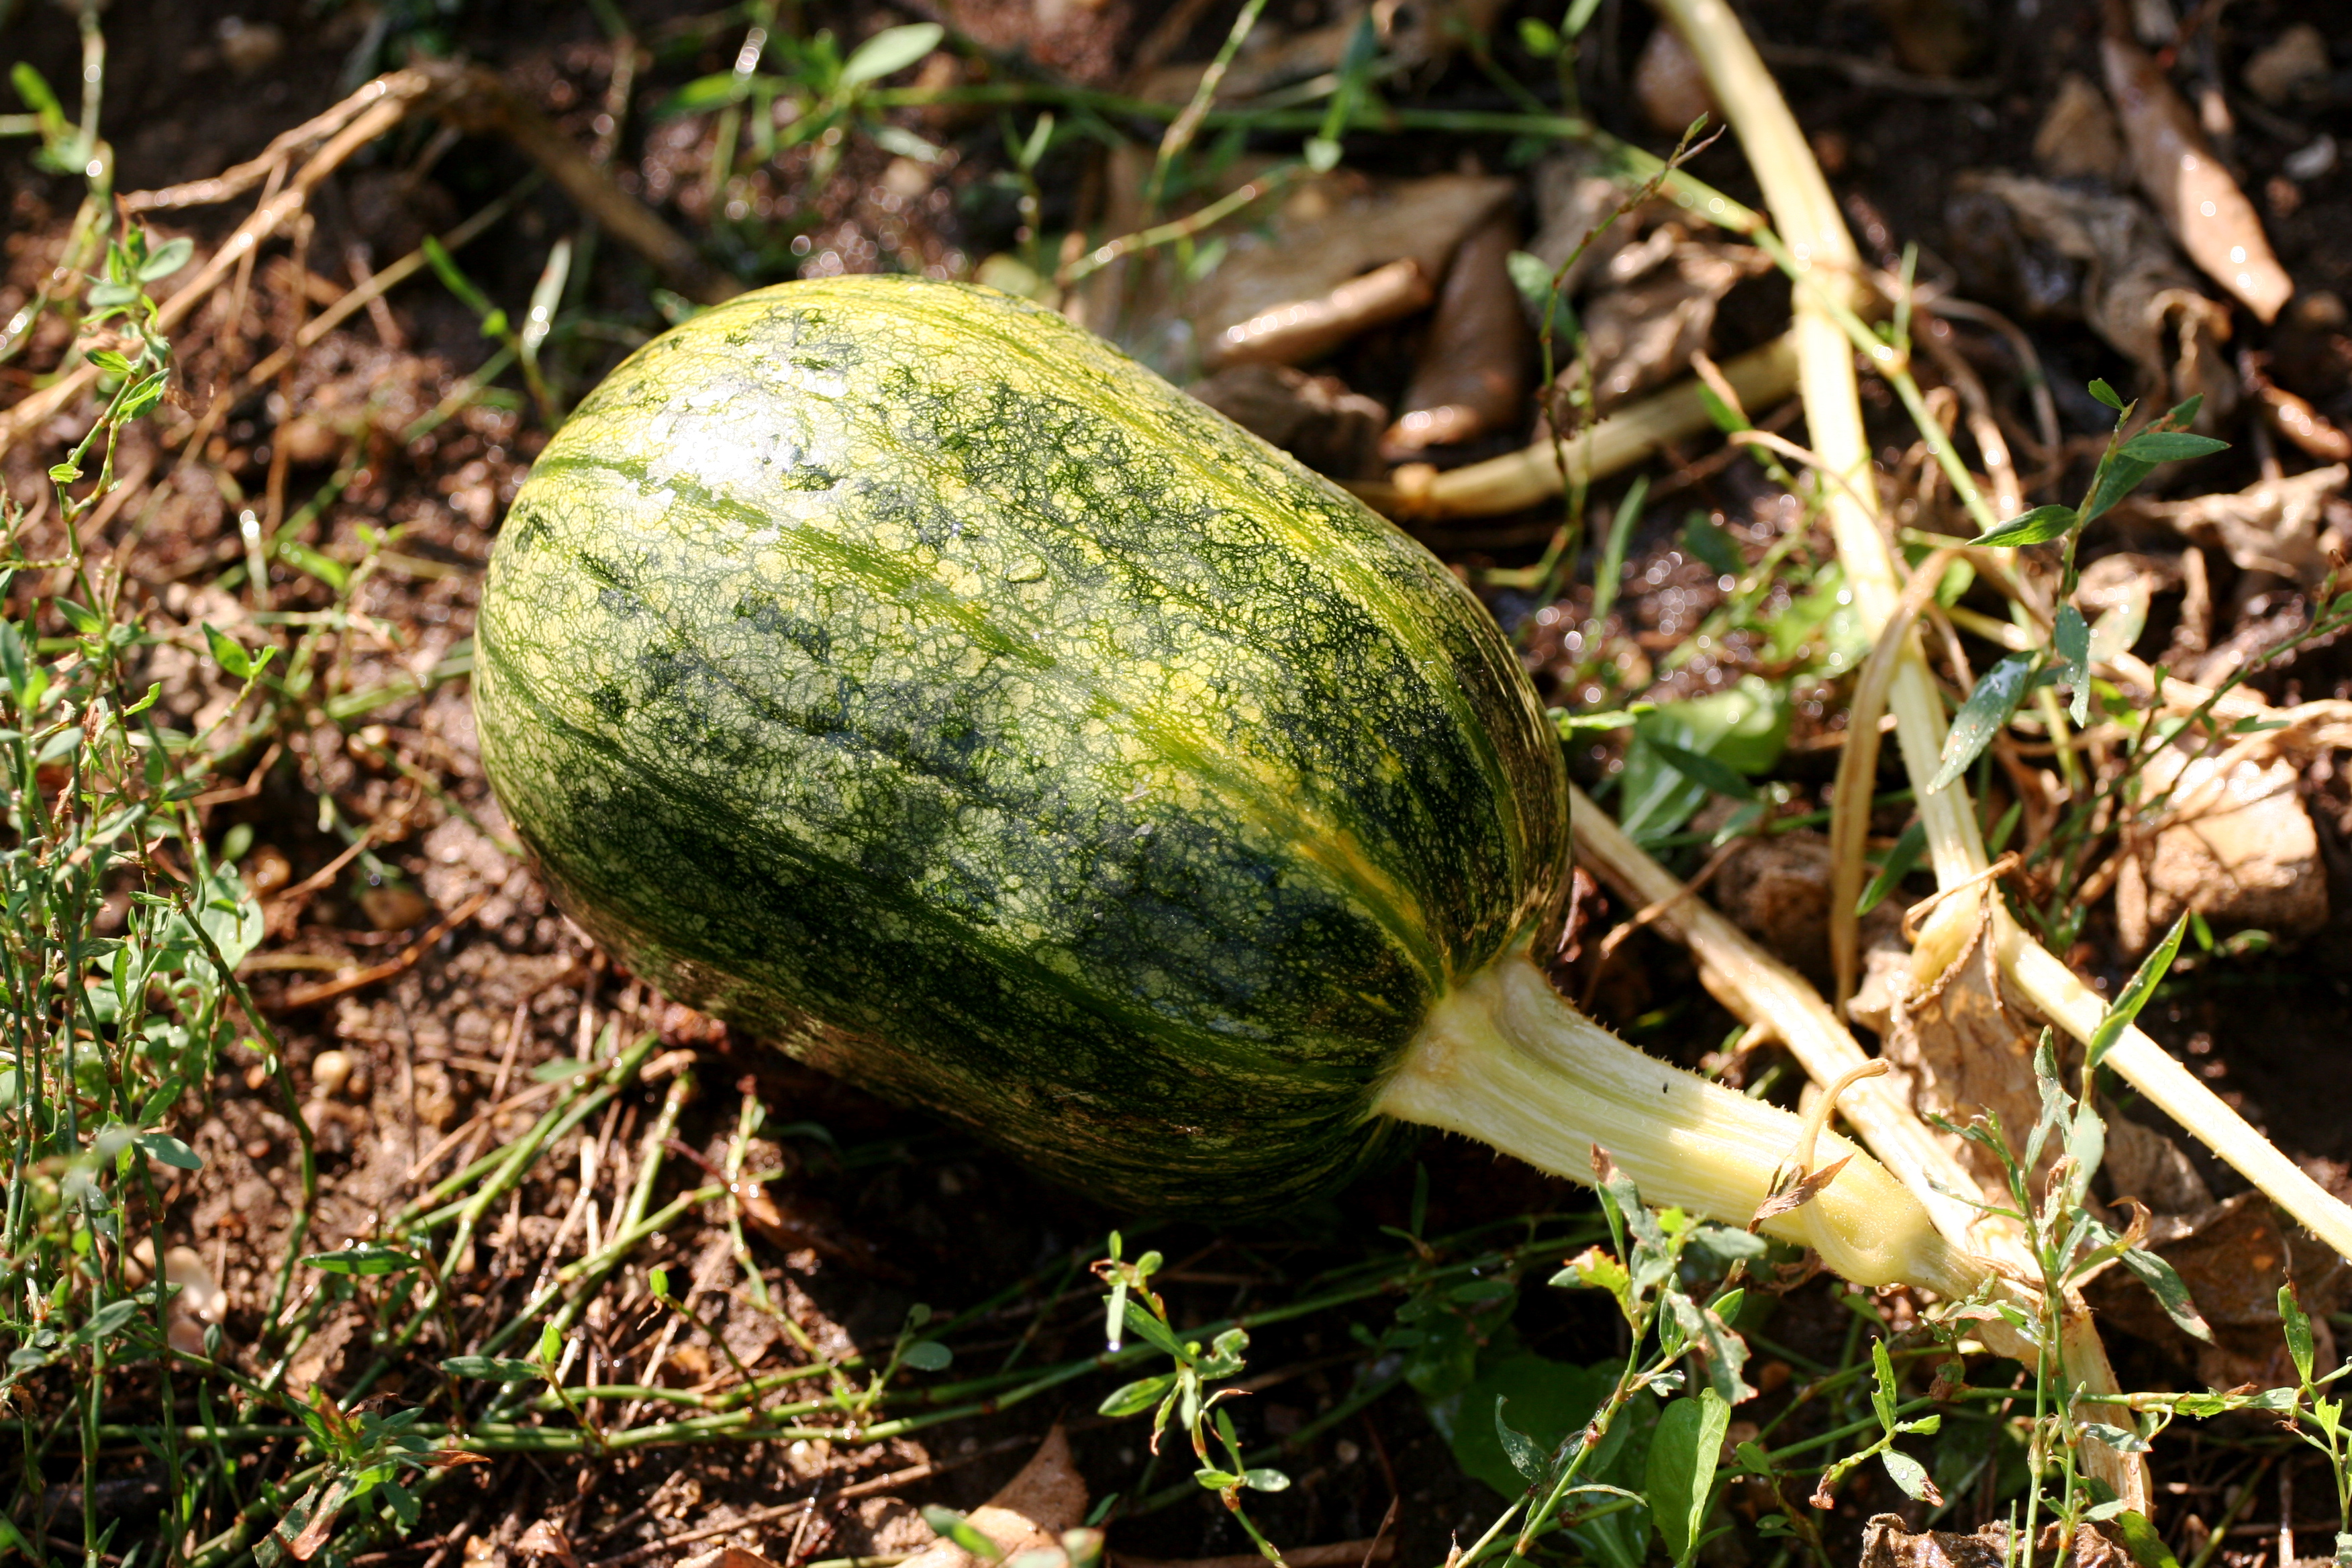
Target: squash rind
899,671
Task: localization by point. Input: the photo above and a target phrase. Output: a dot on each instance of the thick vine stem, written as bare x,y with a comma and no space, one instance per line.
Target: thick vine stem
1506,1060
1761,990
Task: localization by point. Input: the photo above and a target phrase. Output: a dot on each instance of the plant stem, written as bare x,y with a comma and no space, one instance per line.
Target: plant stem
1505,1059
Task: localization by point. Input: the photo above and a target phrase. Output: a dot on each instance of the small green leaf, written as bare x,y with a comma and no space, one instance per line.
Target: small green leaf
1714,545
2171,447
143,397
168,258
110,363
891,50
2106,395
1910,1475
2115,1437
1702,770
166,1150
950,1525
902,142
364,1260
2117,476
2040,526
927,1356
2146,1547
1568,723
1538,38
1685,1448
1135,1398
1883,1393
2134,994
1152,1330
1519,1447
1266,1480
325,568
1033,146
2071,636
228,652
81,617
1899,862
2299,1332
1997,692
550,1343
107,1320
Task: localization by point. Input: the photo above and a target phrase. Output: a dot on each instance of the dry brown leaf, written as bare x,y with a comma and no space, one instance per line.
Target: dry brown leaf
2289,66
1967,1045
2279,525
1028,1513
724,1557
1658,308
545,1538
1471,379
1886,1543
2134,293
2242,851
1315,418
1295,331
2078,135
1670,85
1798,1194
2194,195
1574,198
2233,1257
1336,229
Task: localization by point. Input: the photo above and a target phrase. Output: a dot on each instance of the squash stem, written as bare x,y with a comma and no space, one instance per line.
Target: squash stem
1503,1059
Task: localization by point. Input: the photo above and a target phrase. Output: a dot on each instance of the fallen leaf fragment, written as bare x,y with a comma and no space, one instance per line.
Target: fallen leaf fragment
724,1557
1315,418
1329,234
2279,525
2078,135
2136,294
2290,66
1028,1514
1886,1543
1965,1043
1658,308
1295,331
545,1538
1575,197
2294,418
1471,379
2240,849
2194,195
1670,85
2233,1256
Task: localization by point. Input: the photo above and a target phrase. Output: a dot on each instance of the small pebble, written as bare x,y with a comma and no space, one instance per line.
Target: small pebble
329,1072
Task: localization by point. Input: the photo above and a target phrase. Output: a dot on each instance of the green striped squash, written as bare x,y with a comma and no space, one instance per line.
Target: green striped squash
904,674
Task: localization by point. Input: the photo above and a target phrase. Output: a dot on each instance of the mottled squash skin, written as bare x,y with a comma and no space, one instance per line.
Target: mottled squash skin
907,675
